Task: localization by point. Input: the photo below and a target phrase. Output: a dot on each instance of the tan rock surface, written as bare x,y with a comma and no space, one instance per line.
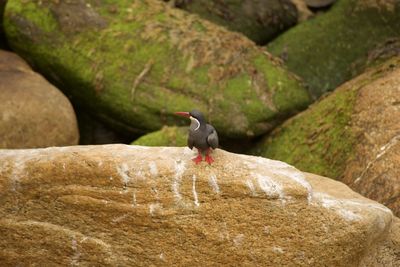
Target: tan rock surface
33,113
118,205
375,170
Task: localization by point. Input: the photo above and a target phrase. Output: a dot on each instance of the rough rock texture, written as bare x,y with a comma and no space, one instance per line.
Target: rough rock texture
259,20
352,135
33,113
334,47
119,205
167,136
134,63
2,36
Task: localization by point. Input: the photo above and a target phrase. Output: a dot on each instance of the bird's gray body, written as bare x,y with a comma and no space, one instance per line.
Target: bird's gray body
203,138
201,134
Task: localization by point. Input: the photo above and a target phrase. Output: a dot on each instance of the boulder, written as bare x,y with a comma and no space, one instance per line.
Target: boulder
259,20
33,113
167,136
134,63
334,47
119,205
352,135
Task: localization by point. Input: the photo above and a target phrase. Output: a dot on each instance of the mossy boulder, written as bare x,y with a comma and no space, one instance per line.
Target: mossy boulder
167,136
134,63
2,36
259,20
351,135
334,47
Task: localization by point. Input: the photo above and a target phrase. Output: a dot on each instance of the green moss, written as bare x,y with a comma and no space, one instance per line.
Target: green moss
327,50
321,139
167,136
318,139
129,67
255,23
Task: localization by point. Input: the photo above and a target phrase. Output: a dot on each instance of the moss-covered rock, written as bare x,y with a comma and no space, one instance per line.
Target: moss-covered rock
334,47
2,36
134,63
167,136
352,135
259,20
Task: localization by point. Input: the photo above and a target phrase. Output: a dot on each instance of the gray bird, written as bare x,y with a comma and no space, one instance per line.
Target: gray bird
202,135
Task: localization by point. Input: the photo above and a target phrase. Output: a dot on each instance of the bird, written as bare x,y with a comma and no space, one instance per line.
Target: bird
202,135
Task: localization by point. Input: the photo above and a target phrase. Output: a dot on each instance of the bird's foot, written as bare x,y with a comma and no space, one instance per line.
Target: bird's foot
198,159
209,159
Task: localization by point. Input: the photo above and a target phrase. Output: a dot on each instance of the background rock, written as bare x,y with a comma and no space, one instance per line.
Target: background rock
351,135
139,206
259,20
33,113
333,47
136,62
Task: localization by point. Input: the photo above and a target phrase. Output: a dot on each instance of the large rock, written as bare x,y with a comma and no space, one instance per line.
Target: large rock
33,113
259,20
119,205
133,63
334,47
352,135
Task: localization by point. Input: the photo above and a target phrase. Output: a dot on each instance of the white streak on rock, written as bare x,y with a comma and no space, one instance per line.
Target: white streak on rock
162,257
214,183
120,218
277,250
179,170
134,203
348,209
76,253
251,186
238,240
299,178
269,186
196,200
123,171
153,169
384,149
153,207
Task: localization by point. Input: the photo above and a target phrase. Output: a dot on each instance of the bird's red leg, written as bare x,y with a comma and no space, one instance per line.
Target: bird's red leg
199,157
209,159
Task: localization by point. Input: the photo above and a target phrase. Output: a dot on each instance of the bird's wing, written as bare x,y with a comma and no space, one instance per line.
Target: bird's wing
190,142
212,138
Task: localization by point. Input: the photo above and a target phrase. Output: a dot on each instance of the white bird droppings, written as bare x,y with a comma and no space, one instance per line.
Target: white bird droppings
123,171
179,170
214,183
196,200
269,186
153,169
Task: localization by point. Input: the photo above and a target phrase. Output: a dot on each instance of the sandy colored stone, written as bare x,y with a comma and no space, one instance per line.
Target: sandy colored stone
119,205
33,113
374,171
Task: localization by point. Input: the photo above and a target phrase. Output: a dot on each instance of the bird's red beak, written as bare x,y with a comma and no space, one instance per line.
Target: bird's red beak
183,114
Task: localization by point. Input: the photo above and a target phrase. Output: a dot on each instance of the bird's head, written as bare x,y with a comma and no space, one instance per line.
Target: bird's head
193,115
